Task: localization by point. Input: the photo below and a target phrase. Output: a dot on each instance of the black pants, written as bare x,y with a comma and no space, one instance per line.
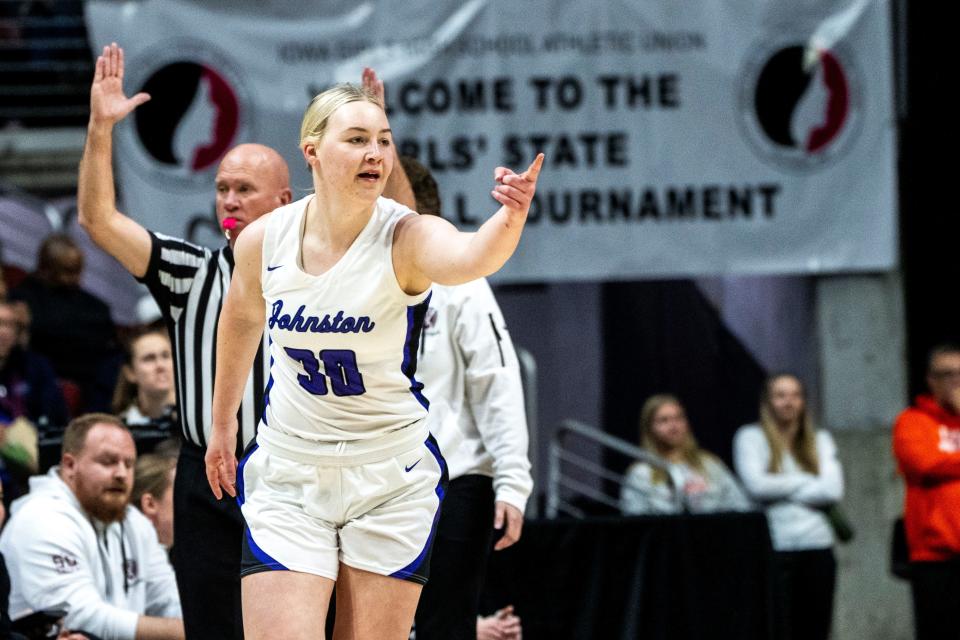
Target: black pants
936,599
805,585
450,600
208,535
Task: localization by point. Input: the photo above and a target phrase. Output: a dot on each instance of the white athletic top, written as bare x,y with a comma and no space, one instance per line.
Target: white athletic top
343,345
794,499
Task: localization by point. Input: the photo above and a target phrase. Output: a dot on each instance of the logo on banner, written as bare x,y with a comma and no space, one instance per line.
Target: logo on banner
196,113
800,106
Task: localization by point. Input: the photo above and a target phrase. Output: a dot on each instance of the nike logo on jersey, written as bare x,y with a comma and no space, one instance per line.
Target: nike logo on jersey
275,267
407,469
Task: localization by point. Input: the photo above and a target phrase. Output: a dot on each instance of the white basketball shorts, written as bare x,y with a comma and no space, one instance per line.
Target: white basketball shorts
377,516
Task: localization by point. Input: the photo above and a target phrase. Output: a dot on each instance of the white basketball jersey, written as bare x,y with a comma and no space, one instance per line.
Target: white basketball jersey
343,345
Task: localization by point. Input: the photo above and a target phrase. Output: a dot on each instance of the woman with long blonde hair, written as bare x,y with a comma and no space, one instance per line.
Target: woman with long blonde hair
705,482
792,469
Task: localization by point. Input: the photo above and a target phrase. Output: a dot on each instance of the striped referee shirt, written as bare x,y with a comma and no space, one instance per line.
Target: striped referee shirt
189,283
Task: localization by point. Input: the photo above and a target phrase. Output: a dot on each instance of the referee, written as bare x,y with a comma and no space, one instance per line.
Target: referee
189,284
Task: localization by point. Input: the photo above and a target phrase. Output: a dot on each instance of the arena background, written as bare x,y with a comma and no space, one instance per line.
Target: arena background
689,238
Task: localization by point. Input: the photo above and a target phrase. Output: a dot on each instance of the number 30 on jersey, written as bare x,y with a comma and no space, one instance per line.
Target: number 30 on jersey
341,370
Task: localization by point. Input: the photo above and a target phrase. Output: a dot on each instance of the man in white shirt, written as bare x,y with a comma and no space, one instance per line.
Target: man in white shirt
74,540
472,379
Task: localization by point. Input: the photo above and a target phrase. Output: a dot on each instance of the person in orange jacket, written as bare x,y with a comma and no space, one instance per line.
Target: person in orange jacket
926,443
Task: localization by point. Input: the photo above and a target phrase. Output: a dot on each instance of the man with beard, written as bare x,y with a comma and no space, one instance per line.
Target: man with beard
75,543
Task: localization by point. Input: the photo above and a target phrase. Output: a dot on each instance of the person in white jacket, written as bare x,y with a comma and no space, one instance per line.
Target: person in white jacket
470,370
792,469
74,542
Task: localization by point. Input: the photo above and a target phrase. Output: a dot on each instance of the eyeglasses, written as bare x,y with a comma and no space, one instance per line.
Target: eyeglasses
940,374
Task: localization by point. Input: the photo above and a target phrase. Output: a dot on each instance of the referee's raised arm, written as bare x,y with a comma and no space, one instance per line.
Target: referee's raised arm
115,233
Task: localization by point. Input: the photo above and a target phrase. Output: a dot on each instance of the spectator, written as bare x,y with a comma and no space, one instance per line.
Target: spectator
792,468
153,493
926,443
144,394
29,396
5,624
703,480
75,539
28,385
71,327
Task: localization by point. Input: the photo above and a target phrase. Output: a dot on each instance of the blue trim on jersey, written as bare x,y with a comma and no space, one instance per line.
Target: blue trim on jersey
266,390
265,558
249,453
266,395
411,568
434,448
411,345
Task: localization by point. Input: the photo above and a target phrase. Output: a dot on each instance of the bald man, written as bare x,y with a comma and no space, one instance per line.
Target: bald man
188,283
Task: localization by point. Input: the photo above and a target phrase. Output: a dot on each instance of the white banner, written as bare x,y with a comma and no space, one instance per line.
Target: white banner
681,138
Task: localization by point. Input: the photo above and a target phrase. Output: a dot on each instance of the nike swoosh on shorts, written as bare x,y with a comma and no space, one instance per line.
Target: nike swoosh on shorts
412,466
269,268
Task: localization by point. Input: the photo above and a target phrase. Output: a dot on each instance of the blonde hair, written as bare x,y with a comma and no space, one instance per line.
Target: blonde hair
317,116
152,476
693,455
804,445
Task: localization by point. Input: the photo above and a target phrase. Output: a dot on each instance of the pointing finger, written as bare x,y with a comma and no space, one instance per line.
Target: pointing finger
533,171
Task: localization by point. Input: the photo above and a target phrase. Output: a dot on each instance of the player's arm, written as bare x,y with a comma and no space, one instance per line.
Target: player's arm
239,332
115,233
153,628
430,249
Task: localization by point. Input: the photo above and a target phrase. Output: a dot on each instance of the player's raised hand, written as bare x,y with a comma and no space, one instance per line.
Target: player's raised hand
515,191
372,83
108,103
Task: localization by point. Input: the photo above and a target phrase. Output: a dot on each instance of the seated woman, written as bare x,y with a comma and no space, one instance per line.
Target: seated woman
704,481
144,396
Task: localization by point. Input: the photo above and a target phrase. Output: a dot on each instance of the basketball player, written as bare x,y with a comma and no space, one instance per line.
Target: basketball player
344,482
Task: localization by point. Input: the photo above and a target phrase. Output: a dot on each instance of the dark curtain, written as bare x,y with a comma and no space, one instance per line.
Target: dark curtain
929,224
666,337
676,578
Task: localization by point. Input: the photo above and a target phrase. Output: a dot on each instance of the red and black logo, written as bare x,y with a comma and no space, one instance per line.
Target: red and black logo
196,113
799,105
192,118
